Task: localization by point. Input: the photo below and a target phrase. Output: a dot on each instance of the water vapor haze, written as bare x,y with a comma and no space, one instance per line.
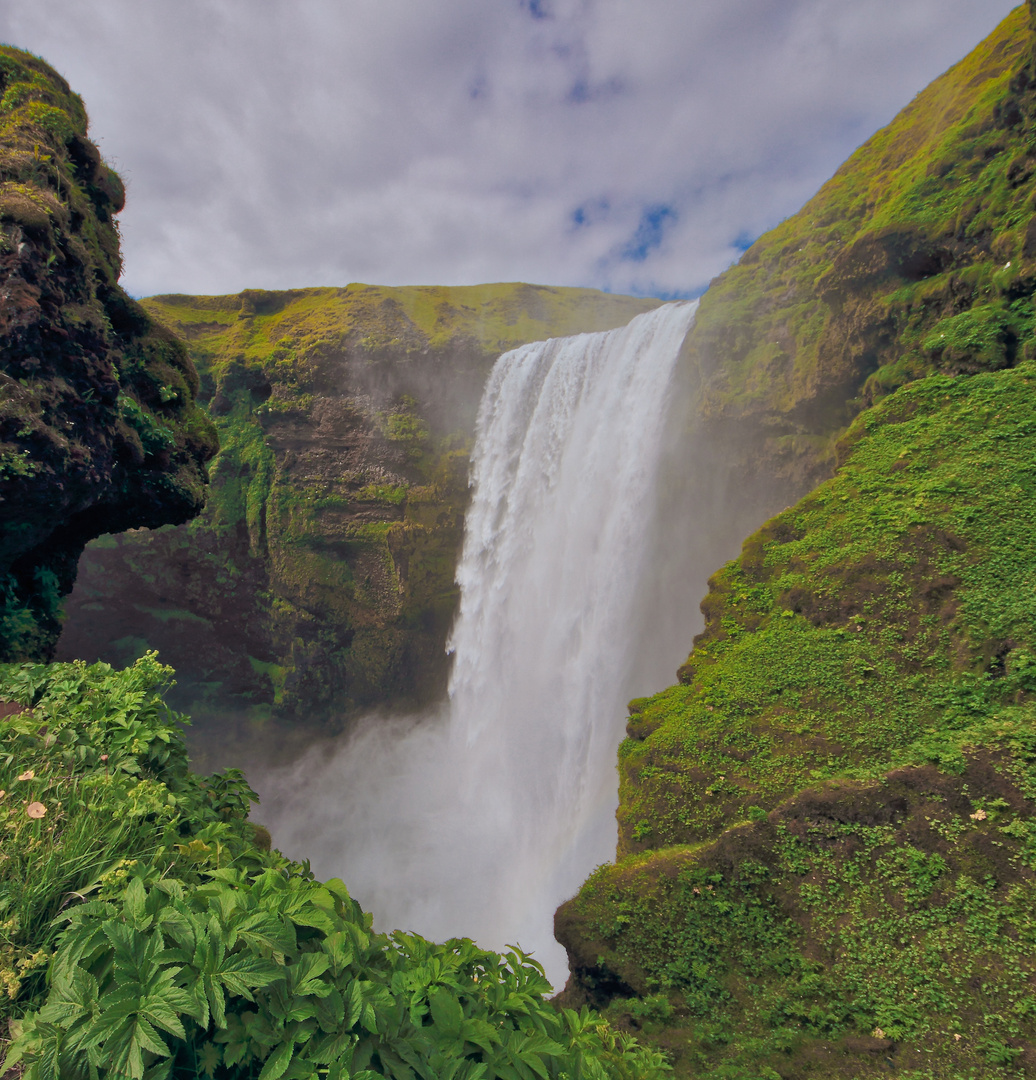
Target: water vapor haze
480,818
630,146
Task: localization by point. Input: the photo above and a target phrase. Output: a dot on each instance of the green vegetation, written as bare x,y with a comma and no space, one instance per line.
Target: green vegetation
827,854
328,547
826,863
834,810
923,232
175,943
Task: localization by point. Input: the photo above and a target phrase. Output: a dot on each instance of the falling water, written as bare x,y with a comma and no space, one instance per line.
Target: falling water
479,820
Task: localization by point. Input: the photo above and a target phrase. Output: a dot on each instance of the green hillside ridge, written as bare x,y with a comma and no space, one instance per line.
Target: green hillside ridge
917,256
99,430
320,577
826,864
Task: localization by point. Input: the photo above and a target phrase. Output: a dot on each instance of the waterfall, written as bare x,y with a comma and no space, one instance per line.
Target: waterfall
479,820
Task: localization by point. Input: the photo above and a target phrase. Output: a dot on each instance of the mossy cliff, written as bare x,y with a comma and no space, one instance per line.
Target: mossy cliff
320,577
99,430
827,838
917,256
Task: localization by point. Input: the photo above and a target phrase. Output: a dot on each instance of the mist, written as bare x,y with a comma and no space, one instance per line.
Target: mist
477,818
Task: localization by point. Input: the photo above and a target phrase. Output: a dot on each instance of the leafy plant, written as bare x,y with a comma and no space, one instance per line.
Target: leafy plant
174,947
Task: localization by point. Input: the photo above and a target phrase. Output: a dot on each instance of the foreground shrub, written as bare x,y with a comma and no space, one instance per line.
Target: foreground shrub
147,936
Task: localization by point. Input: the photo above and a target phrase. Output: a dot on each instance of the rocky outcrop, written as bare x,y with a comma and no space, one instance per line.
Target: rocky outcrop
319,579
99,430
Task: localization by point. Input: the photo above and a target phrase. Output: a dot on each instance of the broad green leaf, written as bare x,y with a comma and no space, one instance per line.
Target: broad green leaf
277,1063
126,1046
134,905
267,931
331,1047
242,972
330,1011
354,1003
209,1058
149,1039
398,1069
304,977
480,1032
161,1070
339,948
447,1013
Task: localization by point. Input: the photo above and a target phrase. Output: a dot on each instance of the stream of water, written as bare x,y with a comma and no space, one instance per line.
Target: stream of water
480,819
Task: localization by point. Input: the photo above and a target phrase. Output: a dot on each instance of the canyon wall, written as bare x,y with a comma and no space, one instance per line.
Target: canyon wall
320,578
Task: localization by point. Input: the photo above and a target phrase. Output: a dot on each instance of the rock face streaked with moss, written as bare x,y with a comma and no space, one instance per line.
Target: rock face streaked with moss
99,430
319,579
827,864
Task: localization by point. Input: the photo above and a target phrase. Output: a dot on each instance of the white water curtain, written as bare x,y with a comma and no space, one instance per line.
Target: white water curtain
479,820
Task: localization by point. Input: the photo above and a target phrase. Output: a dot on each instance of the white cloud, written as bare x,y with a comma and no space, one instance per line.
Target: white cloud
280,143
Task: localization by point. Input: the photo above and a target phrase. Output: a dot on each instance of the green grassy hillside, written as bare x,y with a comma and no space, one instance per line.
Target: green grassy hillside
320,577
826,863
917,256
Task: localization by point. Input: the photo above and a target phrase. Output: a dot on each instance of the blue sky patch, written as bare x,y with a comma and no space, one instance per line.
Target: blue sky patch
650,231
538,9
590,212
583,91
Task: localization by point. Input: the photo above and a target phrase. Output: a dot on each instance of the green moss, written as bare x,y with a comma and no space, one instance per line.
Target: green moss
329,544
825,857
99,429
871,615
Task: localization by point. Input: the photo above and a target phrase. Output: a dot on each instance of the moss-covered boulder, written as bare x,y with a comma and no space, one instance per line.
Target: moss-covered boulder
99,430
320,578
826,864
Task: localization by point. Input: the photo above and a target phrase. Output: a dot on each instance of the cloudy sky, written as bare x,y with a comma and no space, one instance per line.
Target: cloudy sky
632,145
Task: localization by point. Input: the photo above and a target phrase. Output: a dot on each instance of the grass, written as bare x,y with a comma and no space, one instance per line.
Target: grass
826,861
838,304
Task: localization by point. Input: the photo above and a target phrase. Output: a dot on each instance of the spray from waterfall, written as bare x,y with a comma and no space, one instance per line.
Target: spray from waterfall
480,819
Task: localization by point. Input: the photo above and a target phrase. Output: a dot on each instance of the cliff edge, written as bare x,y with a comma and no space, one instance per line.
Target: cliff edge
320,578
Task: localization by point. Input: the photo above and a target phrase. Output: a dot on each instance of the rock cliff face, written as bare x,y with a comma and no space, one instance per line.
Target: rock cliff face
826,864
319,579
99,431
